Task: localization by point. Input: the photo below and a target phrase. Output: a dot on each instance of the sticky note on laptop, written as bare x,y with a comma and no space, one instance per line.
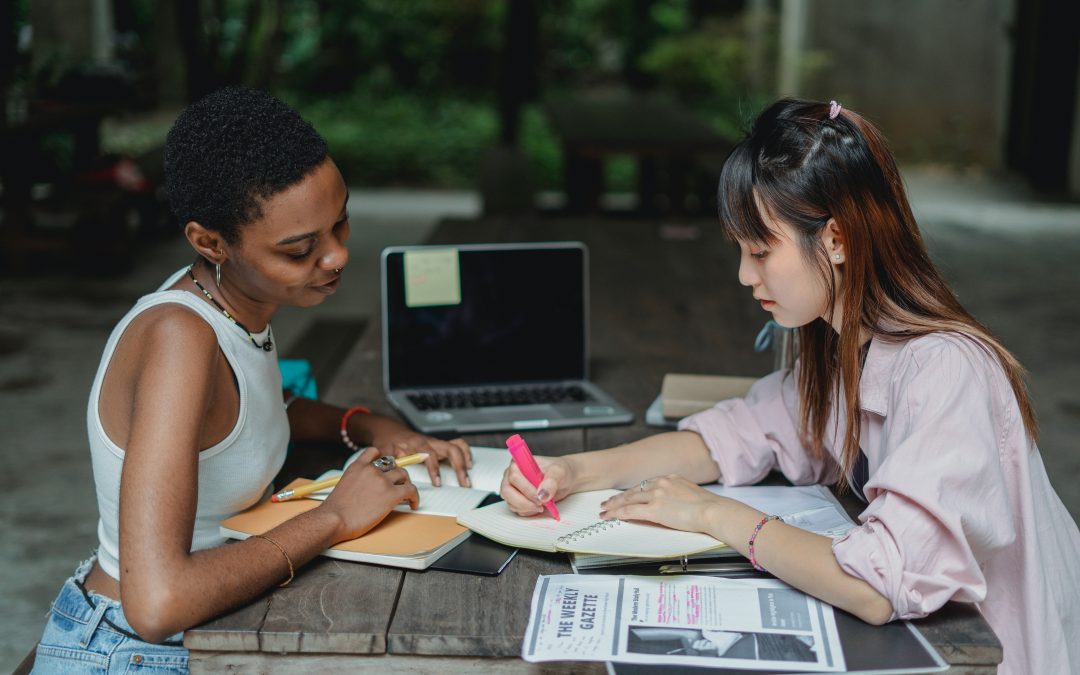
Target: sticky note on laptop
432,277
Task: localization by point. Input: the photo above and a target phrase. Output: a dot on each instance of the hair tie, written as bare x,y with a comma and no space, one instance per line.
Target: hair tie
834,109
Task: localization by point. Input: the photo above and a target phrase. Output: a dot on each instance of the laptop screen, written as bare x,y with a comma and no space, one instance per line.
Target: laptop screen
484,314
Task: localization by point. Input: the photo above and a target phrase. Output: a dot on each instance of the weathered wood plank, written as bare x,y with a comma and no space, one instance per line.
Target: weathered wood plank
358,380
332,606
960,633
236,631
442,613
326,343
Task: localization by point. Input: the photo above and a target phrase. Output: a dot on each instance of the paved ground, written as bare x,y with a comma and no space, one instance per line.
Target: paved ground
1012,260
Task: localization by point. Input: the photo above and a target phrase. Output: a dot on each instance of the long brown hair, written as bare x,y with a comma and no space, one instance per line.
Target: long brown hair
806,168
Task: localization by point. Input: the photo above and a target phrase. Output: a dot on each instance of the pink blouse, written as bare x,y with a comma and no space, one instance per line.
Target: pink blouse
960,504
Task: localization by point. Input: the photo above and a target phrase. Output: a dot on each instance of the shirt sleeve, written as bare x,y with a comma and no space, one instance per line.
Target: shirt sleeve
939,506
749,437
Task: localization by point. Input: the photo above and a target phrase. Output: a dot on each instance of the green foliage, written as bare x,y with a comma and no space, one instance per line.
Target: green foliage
405,91
388,45
710,69
402,139
539,144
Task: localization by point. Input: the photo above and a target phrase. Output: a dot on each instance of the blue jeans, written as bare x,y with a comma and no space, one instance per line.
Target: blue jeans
87,633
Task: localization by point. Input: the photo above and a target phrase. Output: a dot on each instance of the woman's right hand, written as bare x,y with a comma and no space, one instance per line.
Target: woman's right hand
526,500
365,495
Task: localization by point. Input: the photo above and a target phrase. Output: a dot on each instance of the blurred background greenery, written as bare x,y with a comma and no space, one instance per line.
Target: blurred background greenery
414,93
406,93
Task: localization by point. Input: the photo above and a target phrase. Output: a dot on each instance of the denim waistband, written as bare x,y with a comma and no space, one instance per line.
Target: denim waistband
83,605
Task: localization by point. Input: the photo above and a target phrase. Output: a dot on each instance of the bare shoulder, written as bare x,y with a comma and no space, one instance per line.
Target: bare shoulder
170,335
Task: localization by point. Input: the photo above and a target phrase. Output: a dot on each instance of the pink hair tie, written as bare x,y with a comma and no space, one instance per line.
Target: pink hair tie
834,109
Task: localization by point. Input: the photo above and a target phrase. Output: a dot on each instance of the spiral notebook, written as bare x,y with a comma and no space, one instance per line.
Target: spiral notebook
582,531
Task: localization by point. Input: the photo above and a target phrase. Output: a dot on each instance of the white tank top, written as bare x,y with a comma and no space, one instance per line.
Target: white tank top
235,473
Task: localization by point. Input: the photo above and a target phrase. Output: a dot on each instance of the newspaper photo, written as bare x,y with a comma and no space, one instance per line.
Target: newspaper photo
755,624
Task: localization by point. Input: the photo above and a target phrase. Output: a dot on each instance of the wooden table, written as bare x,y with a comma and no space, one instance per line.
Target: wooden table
664,137
657,306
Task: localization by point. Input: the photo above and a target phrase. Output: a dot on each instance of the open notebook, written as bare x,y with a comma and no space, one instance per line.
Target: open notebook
407,538
449,499
581,531
411,540
809,507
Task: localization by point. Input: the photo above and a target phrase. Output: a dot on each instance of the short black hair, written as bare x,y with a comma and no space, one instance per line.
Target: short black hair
231,150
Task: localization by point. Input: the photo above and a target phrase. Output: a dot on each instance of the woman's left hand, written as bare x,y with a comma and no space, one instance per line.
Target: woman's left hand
394,438
671,501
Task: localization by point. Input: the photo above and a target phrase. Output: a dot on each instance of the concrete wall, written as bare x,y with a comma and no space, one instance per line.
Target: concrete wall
933,75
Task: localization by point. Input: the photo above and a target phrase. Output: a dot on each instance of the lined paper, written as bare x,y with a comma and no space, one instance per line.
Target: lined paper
449,499
580,516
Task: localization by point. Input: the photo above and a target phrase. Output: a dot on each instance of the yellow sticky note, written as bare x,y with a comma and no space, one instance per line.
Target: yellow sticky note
432,277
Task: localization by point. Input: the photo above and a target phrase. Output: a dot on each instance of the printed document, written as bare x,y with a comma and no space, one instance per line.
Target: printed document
753,624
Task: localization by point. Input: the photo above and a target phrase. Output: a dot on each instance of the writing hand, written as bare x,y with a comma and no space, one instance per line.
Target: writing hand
526,500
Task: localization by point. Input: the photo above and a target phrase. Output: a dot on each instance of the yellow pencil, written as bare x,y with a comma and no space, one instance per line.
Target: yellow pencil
305,490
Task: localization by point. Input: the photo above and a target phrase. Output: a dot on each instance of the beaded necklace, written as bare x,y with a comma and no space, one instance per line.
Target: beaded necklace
267,344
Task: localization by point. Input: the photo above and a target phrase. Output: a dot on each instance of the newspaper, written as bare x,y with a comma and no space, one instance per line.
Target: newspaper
755,624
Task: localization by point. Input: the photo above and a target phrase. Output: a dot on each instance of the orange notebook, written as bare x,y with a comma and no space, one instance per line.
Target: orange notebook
410,540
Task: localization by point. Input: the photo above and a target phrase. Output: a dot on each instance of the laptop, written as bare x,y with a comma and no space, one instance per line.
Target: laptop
489,337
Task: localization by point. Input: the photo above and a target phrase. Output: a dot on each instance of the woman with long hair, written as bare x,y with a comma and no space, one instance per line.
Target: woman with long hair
898,394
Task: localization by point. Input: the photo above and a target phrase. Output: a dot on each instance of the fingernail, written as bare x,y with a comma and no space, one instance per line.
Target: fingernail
468,481
542,496
603,515
437,482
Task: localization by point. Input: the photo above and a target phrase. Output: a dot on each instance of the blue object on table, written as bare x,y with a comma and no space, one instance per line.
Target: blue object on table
296,377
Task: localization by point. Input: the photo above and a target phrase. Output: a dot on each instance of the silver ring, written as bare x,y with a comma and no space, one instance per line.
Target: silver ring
642,484
385,463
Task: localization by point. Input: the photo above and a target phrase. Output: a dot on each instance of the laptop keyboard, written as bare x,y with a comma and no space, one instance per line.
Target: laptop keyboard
498,396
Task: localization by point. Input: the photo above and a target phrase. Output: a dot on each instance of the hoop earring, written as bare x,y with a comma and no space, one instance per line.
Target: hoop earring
217,274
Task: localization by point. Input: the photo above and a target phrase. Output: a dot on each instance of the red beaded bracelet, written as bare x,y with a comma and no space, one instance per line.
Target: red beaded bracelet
753,537
345,426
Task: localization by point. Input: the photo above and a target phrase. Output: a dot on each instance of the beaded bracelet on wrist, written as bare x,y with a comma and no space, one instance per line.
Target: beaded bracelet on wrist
345,426
753,538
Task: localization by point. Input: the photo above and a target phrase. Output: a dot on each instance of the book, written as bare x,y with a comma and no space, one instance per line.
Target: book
581,531
450,499
810,507
684,394
406,538
409,540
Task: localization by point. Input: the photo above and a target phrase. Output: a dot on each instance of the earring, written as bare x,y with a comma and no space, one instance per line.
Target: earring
337,270
217,274
837,257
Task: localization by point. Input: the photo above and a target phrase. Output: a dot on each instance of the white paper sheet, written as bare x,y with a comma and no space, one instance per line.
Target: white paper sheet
753,624
449,499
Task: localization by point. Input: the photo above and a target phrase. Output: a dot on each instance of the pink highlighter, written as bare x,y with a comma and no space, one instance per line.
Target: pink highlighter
523,457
